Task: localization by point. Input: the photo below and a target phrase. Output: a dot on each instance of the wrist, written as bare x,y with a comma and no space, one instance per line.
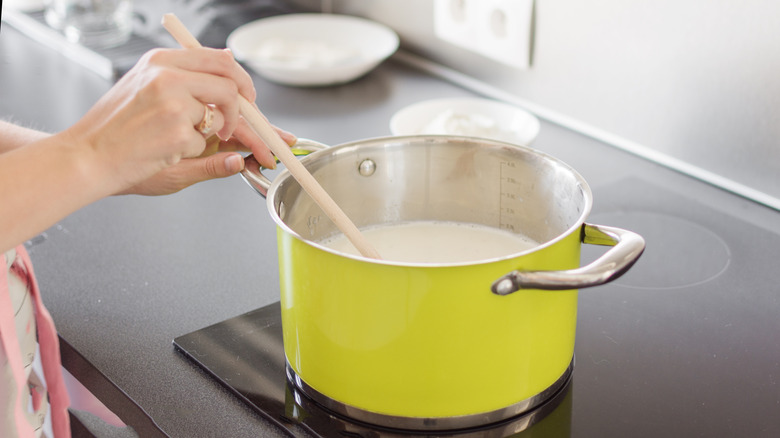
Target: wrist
85,168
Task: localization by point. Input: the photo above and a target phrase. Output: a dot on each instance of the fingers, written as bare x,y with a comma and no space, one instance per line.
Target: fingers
188,172
216,62
178,103
233,163
212,76
245,139
194,140
206,124
288,137
246,135
194,170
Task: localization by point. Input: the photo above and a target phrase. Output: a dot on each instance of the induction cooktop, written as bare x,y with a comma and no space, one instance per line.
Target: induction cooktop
684,344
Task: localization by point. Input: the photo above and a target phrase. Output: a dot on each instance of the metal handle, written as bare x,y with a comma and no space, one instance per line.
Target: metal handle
253,170
627,247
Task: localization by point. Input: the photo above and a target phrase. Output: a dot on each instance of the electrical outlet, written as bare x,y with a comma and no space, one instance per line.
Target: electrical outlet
497,29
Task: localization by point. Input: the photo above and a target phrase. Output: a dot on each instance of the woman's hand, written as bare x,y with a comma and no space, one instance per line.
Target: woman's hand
142,136
143,128
219,159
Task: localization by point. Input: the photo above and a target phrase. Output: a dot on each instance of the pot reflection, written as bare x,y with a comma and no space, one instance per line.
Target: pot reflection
552,419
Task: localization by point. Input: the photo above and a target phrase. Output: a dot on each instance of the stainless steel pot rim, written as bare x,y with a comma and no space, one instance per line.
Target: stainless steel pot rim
388,140
452,423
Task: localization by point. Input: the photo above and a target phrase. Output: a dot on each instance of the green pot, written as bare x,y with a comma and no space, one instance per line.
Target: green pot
436,346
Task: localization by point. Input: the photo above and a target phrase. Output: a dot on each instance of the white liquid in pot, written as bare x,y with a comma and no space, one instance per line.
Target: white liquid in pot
436,242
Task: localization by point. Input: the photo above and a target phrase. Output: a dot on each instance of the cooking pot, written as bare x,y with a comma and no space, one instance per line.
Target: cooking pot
428,346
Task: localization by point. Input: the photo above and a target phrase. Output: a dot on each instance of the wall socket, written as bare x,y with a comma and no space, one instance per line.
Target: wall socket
501,30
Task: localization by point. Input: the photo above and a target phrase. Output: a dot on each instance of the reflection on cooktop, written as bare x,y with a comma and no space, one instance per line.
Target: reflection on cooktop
245,354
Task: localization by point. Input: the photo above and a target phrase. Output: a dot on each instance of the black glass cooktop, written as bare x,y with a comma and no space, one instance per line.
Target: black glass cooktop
685,344
245,354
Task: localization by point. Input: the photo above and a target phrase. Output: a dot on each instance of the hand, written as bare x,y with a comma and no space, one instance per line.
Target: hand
147,122
219,159
140,137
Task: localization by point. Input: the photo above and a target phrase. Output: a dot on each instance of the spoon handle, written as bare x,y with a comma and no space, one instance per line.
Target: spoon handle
256,119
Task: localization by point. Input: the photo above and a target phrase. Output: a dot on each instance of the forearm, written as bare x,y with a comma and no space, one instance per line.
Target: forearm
14,136
42,183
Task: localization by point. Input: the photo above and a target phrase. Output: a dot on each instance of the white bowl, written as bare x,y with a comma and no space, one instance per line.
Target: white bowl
312,49
473,117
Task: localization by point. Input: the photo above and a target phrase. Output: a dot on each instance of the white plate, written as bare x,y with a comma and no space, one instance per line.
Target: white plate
473,117
312,49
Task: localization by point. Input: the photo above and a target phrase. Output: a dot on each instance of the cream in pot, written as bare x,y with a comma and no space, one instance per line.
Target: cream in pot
436,242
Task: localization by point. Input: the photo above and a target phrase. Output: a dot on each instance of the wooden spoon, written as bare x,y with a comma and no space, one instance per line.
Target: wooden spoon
256,119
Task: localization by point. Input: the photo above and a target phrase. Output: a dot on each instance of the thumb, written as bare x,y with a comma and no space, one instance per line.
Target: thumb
219,165
188,172
194,170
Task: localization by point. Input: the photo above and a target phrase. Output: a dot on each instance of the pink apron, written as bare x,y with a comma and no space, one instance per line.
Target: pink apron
49,348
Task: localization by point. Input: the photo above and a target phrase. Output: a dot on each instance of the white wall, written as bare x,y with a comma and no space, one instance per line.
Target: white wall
698,80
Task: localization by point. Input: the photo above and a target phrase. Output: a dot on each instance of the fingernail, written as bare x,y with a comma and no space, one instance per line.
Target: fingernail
223,137
271,159
234,163
289,138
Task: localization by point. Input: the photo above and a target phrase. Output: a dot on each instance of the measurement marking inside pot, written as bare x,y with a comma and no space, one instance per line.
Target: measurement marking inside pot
508,202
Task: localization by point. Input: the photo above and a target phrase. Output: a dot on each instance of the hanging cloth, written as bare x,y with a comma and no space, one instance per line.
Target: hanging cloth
25,394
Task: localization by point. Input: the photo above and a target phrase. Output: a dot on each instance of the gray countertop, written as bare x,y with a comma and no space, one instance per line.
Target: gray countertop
126,275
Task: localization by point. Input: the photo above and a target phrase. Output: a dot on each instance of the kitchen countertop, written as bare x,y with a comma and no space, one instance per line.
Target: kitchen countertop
684,345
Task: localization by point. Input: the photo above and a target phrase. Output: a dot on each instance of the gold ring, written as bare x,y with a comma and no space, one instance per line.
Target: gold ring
204,127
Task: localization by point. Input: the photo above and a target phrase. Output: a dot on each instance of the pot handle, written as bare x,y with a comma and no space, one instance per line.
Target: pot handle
253,170
627,247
